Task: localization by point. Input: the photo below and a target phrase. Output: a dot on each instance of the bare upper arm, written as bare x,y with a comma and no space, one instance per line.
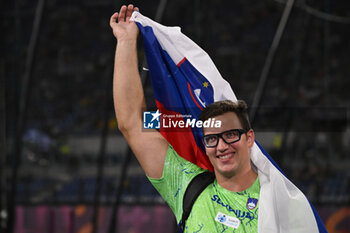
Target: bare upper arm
150,149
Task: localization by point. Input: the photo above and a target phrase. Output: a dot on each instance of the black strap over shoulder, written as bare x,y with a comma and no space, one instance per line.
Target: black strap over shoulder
193,190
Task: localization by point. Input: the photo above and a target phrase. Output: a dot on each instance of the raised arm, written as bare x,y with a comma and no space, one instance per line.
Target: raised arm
129,102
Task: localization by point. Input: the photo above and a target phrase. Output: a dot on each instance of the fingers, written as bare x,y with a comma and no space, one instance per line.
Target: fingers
125,13
113,19
122,13
129,12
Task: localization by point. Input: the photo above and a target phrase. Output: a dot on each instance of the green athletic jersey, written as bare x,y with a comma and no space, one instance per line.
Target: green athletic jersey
216,209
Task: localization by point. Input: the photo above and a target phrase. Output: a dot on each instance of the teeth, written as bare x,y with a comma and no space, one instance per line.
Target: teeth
224,156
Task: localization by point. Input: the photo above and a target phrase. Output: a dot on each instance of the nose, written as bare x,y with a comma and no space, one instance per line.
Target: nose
222,145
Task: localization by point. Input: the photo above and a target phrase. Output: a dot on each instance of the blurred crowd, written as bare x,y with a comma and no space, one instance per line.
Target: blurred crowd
71,89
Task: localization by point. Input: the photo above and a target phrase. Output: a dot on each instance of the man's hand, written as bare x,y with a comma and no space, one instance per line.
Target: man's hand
124,30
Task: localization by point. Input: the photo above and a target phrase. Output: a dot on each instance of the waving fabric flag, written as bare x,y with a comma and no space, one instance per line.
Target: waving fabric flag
185,81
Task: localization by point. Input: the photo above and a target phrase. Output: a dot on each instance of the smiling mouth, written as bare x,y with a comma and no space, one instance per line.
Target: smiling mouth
226,155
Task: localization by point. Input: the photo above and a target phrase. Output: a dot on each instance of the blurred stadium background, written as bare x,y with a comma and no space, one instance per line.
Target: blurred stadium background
65,166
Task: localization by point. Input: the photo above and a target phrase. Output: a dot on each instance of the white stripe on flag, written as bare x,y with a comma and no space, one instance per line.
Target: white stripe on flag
178,46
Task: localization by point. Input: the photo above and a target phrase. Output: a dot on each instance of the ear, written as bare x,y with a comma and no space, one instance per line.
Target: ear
250,138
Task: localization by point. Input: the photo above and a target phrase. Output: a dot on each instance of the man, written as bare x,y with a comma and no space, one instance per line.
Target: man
228,147
241,191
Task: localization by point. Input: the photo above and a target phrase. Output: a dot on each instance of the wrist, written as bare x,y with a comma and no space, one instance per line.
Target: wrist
126,41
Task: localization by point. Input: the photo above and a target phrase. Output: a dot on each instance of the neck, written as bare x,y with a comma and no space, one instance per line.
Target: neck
237,182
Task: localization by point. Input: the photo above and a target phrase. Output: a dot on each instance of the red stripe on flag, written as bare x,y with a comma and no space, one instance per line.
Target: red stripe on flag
194,100
182,61
183,142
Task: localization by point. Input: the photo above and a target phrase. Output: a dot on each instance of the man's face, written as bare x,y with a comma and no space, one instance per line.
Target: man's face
230,159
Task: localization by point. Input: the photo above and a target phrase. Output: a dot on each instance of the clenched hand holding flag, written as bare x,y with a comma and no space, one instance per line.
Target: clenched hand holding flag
185,81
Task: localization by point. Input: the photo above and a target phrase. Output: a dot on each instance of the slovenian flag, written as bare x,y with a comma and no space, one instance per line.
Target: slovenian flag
185,81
